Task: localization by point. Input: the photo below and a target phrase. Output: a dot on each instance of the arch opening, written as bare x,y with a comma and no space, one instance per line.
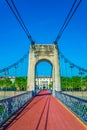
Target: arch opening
44,74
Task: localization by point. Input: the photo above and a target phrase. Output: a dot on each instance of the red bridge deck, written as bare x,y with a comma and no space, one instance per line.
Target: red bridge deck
45,112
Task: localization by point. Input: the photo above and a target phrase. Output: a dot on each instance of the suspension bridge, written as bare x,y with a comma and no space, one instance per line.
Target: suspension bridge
55,102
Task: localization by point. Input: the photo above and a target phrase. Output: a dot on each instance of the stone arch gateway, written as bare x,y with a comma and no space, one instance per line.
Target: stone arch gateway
45,52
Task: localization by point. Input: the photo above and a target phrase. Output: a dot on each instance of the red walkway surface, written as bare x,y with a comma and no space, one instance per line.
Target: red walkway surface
45,112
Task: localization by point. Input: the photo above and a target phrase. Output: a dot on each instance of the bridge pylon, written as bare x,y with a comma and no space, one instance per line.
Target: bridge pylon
43,52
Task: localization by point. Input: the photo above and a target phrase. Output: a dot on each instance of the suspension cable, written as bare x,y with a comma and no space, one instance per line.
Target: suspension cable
15,64
20,20
67,20
71,63
71,16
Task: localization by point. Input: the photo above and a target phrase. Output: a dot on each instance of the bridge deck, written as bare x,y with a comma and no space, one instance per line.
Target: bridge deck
45,112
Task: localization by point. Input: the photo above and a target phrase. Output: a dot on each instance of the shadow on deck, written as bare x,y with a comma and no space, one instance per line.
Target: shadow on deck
44,112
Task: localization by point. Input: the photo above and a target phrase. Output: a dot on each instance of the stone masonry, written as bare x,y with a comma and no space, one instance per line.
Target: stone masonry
43,52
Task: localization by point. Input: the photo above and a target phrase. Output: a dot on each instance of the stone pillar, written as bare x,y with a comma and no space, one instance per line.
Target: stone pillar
31,71
43,52
57,71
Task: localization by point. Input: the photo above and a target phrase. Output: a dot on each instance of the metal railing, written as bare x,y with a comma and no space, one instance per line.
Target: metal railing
77,105
10,105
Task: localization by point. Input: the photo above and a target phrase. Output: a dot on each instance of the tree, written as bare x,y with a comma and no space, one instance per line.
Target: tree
76,82
2,82
51,85
21,83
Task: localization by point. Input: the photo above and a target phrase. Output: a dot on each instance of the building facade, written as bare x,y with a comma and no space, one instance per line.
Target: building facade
43,81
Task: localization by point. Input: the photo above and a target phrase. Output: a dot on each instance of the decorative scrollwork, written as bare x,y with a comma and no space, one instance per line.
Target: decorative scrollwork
10,105
77,105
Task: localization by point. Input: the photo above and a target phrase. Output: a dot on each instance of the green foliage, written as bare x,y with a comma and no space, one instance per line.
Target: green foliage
2,82
51,85
20,83
67,83
75,83
2,107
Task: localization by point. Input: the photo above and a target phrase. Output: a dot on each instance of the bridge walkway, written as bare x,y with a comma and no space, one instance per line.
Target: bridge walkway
45,112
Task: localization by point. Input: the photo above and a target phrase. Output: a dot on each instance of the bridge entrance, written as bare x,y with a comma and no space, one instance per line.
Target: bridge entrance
43,52
44,78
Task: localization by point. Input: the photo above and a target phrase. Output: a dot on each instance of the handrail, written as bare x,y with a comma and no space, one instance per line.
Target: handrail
78,98
77,105
10,105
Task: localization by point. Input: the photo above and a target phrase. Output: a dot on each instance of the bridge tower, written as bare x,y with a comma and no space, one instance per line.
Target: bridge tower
43,52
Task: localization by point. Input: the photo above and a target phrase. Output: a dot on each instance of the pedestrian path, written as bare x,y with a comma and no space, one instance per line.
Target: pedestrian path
45,112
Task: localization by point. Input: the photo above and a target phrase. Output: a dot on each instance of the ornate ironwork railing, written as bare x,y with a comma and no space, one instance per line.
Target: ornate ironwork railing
75,104
10,105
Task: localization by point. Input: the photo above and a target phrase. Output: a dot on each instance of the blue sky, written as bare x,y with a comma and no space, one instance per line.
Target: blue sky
43,18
